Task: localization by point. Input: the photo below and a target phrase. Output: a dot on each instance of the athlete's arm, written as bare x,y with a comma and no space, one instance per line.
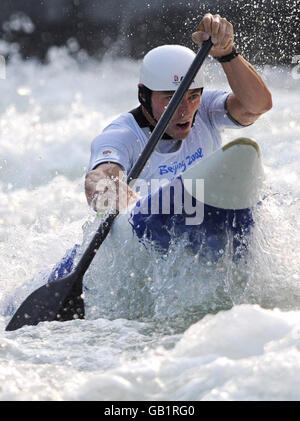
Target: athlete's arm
250,97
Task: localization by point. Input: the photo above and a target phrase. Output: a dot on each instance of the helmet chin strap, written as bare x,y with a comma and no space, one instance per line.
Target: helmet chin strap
145,100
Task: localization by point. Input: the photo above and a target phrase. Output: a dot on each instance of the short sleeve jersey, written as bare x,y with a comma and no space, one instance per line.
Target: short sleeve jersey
123,140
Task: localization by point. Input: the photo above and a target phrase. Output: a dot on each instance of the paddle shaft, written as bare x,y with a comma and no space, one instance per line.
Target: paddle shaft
155,137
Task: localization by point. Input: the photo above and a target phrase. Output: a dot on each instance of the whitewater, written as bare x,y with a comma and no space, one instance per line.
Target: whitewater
161,327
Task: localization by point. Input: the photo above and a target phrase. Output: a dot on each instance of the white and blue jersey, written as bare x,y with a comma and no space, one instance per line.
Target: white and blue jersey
123,140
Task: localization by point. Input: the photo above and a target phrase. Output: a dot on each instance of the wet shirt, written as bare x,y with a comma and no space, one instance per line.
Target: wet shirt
123,140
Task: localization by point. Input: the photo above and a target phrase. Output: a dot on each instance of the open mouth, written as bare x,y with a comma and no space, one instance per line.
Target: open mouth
183,125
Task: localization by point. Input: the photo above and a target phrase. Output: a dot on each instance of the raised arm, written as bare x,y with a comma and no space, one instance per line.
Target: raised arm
250,96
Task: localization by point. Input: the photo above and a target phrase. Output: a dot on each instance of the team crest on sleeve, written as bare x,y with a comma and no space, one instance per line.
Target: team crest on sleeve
107,152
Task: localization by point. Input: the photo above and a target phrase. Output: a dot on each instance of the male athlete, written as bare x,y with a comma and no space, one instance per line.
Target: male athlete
195,129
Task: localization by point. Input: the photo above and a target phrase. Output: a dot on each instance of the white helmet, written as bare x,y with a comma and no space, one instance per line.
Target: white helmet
164,67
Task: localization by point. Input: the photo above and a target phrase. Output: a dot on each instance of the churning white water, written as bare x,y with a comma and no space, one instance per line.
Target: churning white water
172,327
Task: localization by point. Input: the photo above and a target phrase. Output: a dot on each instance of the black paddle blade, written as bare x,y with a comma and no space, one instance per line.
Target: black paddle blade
60,300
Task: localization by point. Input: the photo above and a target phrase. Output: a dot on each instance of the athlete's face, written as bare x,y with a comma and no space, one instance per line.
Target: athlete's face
181,123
